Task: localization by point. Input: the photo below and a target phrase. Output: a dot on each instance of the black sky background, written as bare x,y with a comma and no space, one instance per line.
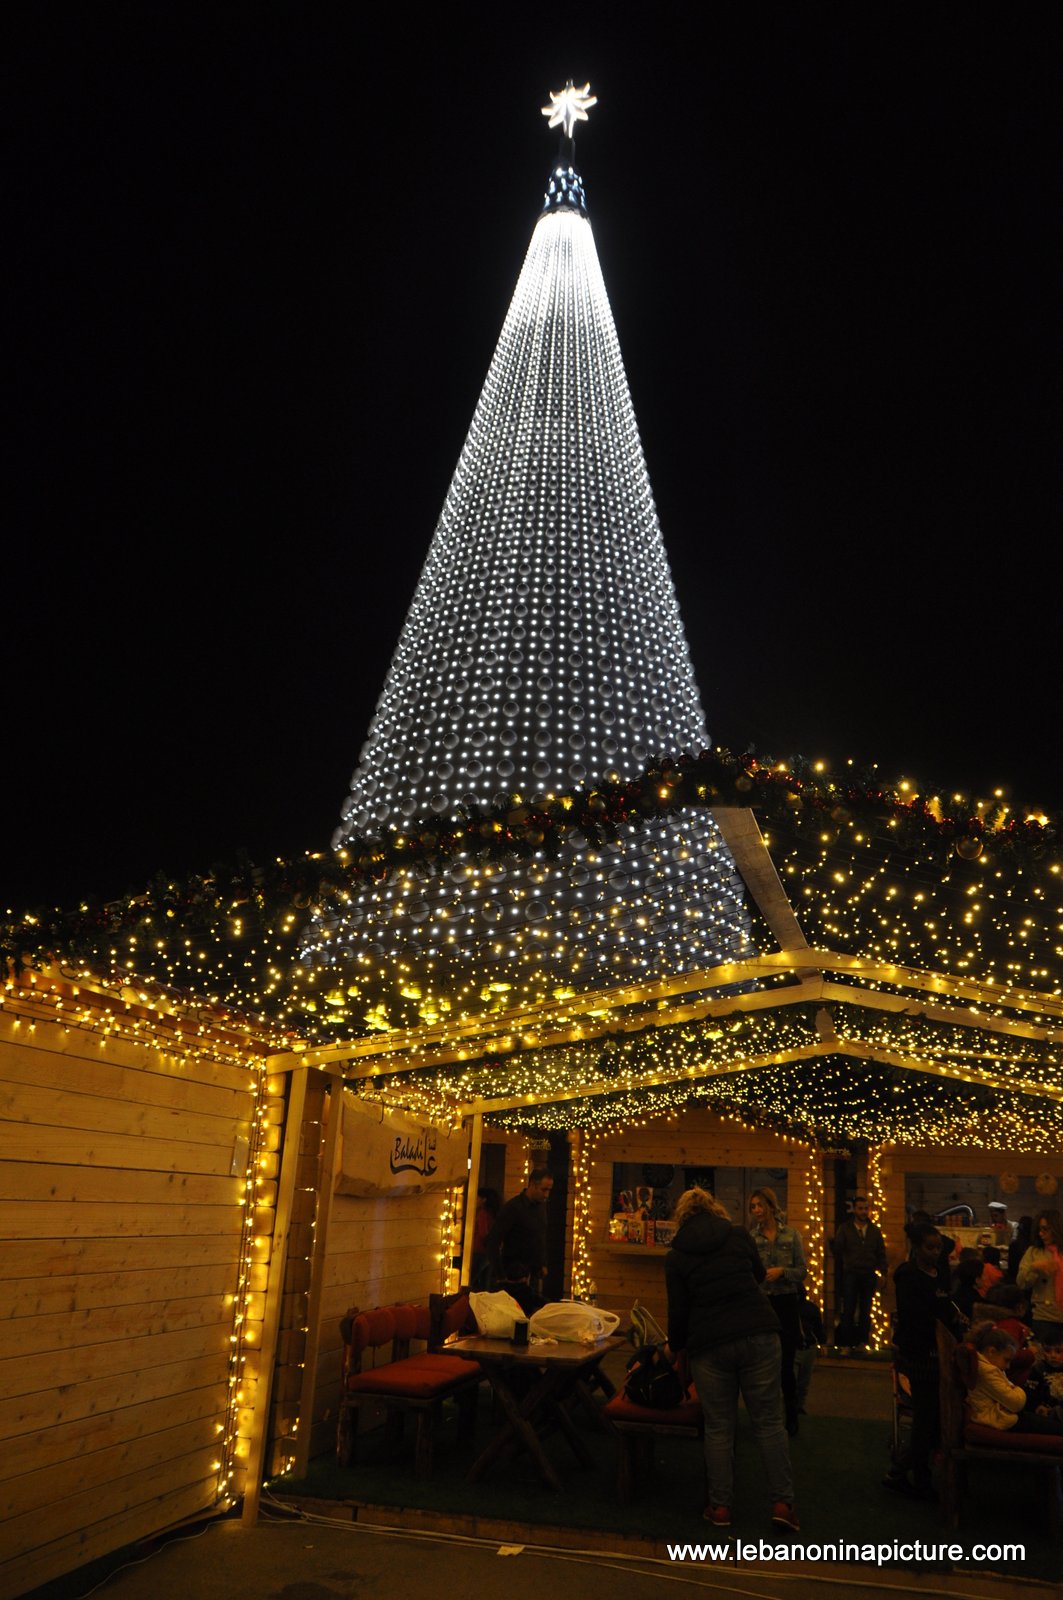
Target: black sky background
259,256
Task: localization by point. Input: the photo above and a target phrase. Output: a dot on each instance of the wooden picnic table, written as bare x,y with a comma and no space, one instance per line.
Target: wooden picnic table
562,1373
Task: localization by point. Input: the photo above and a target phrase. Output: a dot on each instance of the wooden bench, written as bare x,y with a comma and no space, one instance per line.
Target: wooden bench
637,1428
405,1383
963,1441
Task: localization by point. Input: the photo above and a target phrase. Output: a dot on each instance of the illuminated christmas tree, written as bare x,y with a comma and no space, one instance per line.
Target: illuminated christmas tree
543,652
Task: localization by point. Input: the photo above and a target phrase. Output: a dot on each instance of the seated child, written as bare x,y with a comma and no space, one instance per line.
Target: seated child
994,1401
965,1276
1008,1306
1046,1377
992,1272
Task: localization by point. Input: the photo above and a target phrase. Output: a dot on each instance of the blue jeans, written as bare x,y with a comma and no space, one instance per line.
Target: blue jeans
752,1367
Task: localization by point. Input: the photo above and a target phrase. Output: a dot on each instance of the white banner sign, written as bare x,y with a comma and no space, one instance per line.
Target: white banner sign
387,1153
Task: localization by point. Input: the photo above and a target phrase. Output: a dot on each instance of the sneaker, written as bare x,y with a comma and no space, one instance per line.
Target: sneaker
719,1516
900,1483
783,1513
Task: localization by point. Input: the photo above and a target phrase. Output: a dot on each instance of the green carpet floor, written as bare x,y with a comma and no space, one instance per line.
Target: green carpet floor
839,1460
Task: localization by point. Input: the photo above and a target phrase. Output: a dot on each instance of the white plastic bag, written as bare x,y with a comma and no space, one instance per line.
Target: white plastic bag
571,1322
495,1313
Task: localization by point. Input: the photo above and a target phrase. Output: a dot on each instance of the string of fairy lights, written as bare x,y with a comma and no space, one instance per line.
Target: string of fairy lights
594,1147
585,1083
179,1039
885,879
1022,897
881,1332
543,651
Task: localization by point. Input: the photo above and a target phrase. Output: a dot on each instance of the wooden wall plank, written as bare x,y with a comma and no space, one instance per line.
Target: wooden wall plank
109,1325
25,1258
64,1147
25,1572
70,1400
143,1084
50,1447
398,1224
123,1218
26,1375
59,1044
60,1297
39,1219
29,1180
37,1491
95,1114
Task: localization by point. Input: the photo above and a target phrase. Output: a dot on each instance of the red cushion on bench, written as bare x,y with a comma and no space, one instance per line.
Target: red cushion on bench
457,1318
411,1322
372,1328
422,1377
1013,1439
686,1414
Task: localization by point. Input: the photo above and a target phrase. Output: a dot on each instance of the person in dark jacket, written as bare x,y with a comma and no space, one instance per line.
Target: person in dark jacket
860,1251
519,1230
719,1317
921,1305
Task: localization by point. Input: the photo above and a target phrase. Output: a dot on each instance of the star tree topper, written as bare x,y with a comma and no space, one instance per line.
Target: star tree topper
569,106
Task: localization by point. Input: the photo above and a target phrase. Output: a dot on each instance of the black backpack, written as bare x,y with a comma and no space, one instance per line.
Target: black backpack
651,1381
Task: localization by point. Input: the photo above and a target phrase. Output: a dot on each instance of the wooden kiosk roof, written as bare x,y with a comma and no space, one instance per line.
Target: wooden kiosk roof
891,1027
907,972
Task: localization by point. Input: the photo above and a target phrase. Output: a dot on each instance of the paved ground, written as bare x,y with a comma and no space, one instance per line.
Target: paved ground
309,1561
331,1557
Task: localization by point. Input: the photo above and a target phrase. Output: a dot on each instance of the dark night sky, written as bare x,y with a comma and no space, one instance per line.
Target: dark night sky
260,257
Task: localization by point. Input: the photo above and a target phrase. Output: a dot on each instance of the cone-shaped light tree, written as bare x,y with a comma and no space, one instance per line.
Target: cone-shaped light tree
543,652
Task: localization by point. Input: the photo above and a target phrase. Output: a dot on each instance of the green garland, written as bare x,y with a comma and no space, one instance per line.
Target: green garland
231,935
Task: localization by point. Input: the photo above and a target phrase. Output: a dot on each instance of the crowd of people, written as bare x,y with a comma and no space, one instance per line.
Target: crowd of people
741,1323
1010,1311
737,1310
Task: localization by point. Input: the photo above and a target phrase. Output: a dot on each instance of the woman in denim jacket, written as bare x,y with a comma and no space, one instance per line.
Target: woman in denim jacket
783,1256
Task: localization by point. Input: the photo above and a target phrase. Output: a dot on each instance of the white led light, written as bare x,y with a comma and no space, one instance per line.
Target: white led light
543,651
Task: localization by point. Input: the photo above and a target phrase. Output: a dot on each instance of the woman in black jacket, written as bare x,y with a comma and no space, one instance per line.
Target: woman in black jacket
719,1317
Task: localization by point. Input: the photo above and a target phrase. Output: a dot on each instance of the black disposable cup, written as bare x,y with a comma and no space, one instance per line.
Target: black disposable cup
520,1334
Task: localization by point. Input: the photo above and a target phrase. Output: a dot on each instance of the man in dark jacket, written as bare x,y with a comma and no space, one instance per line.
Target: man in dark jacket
519,1230
718,1315
860,1251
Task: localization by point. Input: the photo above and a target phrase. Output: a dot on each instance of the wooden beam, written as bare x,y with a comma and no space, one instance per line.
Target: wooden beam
743,838
936,1069
947,985
595,1012
692,1075
759,1000
471,1192
293,1132
521,1020
879,1000
322,1216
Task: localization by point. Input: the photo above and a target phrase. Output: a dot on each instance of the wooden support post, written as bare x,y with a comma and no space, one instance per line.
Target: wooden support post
469,1219
322,1217
293,1130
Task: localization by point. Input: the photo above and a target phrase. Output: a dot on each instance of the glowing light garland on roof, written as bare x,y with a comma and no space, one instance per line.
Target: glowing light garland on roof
229,938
